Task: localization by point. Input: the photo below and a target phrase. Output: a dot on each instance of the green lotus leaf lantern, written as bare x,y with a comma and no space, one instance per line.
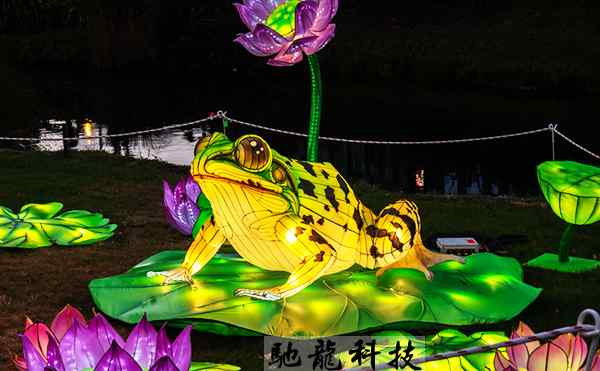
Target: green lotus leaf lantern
40,225
573,191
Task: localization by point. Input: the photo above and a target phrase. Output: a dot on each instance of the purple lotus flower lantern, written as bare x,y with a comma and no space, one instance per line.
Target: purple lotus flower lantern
71,344
180,204
285,30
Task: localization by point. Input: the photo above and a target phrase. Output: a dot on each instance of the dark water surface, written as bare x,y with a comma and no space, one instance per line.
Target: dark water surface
353,109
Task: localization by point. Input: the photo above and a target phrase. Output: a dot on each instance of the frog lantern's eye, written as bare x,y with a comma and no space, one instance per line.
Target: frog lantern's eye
252,153
201,144
279,174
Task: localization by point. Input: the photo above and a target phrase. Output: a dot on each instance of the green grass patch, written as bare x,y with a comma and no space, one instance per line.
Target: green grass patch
129,192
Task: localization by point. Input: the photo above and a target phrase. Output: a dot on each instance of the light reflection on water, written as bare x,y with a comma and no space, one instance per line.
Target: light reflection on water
173,146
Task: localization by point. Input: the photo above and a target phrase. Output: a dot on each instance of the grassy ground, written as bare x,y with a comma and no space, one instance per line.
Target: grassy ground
39,283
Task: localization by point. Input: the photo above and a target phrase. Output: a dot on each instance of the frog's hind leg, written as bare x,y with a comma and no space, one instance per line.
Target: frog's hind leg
317,257
420,258
396,235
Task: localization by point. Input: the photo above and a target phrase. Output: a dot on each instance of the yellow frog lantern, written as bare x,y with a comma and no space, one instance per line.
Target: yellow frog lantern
281,214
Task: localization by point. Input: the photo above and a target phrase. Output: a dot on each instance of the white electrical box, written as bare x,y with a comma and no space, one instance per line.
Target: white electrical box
458,245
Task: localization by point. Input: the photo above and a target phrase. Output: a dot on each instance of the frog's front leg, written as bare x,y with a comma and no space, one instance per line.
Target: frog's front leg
318,255
206,244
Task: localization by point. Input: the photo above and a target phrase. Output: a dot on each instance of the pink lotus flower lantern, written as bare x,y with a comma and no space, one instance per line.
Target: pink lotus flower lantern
567,352
71,344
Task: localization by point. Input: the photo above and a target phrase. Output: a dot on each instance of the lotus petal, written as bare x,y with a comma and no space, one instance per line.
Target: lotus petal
79,348
38,334
315,44
117,359
33,359
547,357
269,5
54,358
163,344
250,18
259,8
596,362
575,348
287,57
141,343
42,211
64,320
325,13
182,349
20,363
6,213
523,330
263,41
181,211
165,364
306,12
22,234
104,332
501,363
192,189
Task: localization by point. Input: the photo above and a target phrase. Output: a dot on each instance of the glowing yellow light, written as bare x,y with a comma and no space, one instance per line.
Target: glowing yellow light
494,280
453,264
290,236
196,267
462,298
399,234
88,128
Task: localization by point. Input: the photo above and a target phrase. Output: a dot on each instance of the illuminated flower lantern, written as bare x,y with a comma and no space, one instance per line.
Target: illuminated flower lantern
72,344
40,225
567,352
573,192
285,30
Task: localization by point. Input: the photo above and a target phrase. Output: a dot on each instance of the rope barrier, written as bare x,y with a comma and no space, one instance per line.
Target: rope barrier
226,120
577,145
344,140
128,134
590,331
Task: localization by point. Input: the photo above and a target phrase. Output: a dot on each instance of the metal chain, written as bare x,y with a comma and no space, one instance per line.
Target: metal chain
590,331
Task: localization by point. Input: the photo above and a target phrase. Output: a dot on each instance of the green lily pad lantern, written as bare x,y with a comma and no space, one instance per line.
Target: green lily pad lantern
573,192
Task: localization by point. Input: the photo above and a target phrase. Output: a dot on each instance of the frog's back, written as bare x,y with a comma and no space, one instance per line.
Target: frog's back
329,205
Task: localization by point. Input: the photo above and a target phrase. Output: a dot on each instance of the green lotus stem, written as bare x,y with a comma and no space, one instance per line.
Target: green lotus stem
312,150
565,242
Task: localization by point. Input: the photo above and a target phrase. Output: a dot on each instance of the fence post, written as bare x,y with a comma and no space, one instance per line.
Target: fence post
552,131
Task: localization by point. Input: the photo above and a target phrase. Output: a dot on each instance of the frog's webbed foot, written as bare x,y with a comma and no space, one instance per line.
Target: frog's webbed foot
420,258
180,274
270,295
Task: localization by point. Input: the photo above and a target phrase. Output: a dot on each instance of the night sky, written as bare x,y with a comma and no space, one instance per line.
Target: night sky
394,71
